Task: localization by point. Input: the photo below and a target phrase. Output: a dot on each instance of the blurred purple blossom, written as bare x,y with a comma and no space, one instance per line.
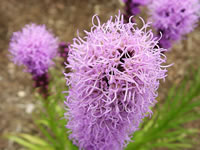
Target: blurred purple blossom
115,73
34,47
174,18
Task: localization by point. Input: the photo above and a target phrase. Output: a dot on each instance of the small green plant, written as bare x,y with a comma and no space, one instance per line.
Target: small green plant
49,120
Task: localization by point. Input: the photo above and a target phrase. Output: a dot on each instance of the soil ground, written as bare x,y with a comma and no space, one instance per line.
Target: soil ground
64,17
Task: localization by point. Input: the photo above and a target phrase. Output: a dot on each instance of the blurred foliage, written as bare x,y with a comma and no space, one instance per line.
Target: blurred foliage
166,128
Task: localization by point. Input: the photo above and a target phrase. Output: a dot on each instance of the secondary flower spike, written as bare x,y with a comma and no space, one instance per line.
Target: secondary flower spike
34,47
115,73
174,18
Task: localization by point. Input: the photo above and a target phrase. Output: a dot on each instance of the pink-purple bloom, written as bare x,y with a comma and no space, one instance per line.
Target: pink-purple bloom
34,47
115,73
174,18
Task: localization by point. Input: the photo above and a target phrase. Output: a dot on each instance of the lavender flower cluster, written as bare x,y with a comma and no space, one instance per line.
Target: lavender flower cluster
174,18
34,47
115,73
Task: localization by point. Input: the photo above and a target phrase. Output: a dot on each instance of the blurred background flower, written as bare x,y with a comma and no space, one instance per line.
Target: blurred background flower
34,47
174,18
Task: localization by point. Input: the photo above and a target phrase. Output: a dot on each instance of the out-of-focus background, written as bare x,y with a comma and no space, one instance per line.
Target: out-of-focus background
64,18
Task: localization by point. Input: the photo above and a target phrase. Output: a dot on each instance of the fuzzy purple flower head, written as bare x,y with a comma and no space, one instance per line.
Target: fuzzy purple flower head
115,75
34,47
174,18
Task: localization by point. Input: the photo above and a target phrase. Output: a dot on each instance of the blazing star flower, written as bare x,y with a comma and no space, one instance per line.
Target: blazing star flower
174,18
34,47
115,73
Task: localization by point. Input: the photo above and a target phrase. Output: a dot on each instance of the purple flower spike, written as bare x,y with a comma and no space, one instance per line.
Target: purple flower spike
34,47
115,73
174,18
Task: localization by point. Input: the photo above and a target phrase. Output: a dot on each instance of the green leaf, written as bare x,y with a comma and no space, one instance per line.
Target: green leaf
30,142
34,139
